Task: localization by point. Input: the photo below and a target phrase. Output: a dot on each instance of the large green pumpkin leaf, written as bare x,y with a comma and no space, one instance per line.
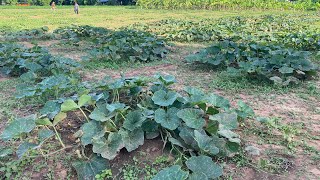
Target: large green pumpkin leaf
166,79
286,70
134,120
187,134
244,110
196,99
163,98
206,143
25,147
84,99
193,91
205,166
171,173
87,170
151,128
132,139
59,117
44,122
212,127
115,107
69,105
227,121
231,136
108,148
44,134
218,101
197,176
177,142
51,108
168,119
18,126
192,117
89,130
99,114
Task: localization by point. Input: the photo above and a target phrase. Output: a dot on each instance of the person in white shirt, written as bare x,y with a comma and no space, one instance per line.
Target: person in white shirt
76,8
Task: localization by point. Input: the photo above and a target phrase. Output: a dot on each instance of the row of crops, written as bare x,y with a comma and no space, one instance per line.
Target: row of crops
278,48
122,113
230,4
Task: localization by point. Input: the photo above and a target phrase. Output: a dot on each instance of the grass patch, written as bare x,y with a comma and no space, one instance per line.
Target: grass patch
17,18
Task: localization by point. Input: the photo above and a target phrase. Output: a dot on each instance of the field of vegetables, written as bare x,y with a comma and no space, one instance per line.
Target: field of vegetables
131,93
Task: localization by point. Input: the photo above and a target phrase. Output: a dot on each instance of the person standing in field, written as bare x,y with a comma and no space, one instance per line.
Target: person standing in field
76,8
53,6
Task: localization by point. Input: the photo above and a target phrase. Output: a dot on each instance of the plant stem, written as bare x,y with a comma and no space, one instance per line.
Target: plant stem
118,95
113,91
122,115
84,115
49,154
58,136
115,126
83,153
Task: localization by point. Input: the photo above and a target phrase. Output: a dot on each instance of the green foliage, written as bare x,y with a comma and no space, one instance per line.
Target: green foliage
16,60
10,2
283,29
163,98
116,122
73,33
41,72
25,35
11,168
40,2
132,139
168,119
202,167
192,117
25,147
228,4
19,126
270,61
89,169
105,174
171,173
5,151
108,148
133,120
89,130
130,45
121,45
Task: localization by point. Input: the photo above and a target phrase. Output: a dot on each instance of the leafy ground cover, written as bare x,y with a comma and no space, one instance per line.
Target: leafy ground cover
261,28
230,4
283,145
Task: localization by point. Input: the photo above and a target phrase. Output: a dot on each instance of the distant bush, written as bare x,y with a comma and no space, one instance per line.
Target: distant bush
11,2
40,2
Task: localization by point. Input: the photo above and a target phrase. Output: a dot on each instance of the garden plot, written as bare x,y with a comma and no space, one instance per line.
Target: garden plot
83,124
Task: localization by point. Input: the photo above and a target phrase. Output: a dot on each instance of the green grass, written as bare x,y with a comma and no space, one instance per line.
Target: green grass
7,101
9,105
17,18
